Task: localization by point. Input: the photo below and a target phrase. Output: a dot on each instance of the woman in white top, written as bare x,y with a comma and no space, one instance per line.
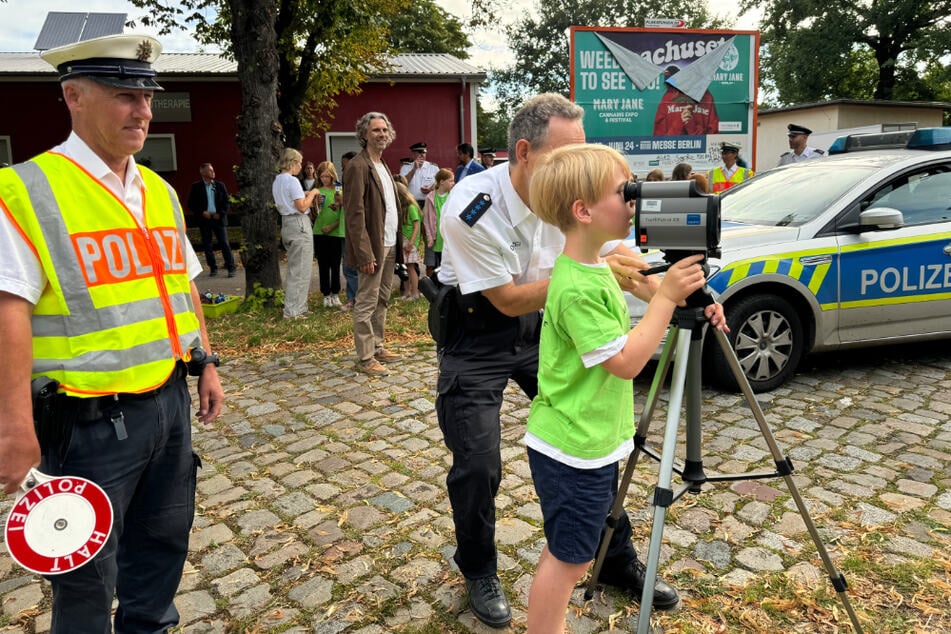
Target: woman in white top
296,232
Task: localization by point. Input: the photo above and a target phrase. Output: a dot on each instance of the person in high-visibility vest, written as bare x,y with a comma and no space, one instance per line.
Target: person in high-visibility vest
97,302
729,174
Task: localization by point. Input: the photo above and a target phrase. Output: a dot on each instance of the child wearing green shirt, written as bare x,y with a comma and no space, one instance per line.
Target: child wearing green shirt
328,233
432,214
411,227
581,423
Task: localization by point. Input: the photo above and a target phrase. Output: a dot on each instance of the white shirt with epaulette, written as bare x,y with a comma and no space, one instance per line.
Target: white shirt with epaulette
425,176
500,242
791,157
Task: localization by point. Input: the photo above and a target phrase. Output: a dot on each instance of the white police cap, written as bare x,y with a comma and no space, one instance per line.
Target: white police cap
122,60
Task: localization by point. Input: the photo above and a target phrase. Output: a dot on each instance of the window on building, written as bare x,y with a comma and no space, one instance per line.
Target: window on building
339,144
6,152
158,153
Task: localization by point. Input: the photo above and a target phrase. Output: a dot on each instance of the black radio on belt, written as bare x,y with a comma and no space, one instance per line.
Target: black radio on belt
199,359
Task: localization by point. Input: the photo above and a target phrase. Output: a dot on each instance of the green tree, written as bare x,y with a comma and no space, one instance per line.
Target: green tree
541,45
424,27
865,49
493,127
293,57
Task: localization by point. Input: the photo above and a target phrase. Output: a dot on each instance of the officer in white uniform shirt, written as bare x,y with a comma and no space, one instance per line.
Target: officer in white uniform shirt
420,173
500,256
798,150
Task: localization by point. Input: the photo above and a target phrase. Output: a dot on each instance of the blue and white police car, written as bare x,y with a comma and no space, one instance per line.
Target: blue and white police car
849,250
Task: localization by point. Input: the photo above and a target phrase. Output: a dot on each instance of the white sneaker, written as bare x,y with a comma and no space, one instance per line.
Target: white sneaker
327,301
334,301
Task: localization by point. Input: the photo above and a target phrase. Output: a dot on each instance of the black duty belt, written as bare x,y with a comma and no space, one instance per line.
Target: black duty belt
92,409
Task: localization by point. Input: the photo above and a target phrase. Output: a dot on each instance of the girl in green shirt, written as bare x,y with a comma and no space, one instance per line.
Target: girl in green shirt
328,233
432,213
411,227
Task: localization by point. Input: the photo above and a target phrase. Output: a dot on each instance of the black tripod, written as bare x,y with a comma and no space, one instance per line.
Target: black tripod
686,337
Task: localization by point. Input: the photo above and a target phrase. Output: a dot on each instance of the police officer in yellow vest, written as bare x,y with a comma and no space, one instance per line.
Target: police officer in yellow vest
729,174
96,297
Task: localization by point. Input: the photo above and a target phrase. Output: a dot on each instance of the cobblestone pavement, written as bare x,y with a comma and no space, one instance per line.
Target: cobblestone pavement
322,508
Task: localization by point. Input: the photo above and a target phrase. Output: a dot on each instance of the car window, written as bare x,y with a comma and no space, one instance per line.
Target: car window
790,197
923,197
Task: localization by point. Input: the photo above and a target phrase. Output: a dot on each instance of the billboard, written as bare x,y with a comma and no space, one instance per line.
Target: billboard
666,96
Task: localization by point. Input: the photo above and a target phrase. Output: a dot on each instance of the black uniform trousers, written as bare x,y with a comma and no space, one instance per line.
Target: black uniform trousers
473,373
149,476
217,229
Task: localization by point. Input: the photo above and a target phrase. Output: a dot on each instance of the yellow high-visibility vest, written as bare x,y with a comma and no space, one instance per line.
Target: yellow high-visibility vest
117,311
719,182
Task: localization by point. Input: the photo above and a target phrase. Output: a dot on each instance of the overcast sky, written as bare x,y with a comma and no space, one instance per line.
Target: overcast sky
21,21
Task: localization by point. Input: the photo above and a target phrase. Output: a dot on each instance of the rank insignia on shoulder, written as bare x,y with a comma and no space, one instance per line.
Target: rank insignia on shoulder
475,210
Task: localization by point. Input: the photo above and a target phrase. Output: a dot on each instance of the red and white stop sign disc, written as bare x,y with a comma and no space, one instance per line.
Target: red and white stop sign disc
58,524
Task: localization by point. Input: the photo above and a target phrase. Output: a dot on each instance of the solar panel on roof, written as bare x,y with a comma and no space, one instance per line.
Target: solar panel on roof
99,24
65,27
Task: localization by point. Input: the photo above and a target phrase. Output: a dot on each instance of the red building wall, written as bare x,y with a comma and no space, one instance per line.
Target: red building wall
208,138
33,114
426,112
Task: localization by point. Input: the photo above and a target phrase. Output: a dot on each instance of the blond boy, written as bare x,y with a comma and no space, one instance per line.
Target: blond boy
581,423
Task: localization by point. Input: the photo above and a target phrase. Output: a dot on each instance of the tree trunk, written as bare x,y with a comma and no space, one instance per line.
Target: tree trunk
290,119
886,59
259,139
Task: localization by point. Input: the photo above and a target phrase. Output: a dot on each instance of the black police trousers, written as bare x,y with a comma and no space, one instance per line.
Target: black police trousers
473,373
148,471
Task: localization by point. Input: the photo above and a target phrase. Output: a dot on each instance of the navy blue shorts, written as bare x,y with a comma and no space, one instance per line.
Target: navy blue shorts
575,503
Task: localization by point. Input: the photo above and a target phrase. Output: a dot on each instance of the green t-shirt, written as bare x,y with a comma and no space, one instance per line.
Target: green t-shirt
584,412
412,215
328,216
438,201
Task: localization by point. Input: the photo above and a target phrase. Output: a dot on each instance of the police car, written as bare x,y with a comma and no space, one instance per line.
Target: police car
849,250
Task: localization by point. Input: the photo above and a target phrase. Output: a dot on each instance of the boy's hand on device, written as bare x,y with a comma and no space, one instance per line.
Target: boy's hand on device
682,279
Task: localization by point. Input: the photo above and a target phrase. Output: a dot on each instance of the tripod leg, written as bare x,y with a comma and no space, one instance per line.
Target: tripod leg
693,475
663,494
640,436
784,468
657,384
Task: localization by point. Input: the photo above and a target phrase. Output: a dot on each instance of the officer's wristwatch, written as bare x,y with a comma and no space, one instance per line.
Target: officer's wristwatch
199,359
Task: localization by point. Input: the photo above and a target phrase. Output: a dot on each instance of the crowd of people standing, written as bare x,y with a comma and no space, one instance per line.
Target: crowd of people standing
316,208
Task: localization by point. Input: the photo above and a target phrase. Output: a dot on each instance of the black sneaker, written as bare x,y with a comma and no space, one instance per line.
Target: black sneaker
232,272
630,578
213,272
487,601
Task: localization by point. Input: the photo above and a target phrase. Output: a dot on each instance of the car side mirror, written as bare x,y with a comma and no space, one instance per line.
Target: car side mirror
881,218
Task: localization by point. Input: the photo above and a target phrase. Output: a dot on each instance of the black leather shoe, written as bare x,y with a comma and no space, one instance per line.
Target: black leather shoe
488,602
232,273
212,272
630,578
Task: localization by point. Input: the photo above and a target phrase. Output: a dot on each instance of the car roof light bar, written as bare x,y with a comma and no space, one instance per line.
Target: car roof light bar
930,139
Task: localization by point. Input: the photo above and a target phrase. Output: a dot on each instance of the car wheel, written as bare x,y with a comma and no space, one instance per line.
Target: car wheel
767,336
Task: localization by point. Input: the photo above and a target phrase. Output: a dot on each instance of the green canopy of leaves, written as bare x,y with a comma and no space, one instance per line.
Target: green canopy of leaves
858,49
424,27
